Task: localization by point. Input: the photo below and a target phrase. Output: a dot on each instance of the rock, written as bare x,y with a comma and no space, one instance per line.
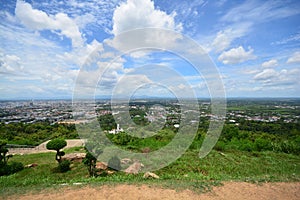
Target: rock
31,165
77,183
126,161
109,172
134,168
150,175
146,150
101,165
75,157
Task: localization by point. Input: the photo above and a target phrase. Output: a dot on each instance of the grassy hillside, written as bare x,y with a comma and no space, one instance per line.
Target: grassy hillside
187,172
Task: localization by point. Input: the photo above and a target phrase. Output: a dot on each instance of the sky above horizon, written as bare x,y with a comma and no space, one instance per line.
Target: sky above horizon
45,44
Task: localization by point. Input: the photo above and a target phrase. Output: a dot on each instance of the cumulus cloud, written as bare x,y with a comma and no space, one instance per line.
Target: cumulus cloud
139,14
236,55
272,78
270,63
295,58
39,20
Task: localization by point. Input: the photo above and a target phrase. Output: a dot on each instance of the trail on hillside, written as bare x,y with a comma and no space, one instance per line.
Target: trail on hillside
42,147
230,191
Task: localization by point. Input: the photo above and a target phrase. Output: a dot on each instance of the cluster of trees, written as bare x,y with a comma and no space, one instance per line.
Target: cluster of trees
261,137
36,133
107,122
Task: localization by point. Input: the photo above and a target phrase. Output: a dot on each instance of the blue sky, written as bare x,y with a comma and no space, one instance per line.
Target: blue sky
255,46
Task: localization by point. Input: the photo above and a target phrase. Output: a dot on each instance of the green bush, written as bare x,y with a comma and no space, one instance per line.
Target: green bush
262,144
114,163
4,169
220,146
287,147
7,169
246,145
122,139
16,167
64,166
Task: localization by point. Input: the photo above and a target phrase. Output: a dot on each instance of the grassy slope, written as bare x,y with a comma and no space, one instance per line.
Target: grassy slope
187,172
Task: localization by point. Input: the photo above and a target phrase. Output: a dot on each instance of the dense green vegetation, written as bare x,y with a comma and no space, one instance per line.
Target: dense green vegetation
232,138
35,134
246,136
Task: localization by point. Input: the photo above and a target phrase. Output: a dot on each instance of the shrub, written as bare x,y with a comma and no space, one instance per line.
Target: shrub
262,144
16,167
246,145
4,170
64,166
288,147
11,168
114,163
220,146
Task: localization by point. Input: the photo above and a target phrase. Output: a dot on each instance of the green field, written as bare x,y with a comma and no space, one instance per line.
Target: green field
187,172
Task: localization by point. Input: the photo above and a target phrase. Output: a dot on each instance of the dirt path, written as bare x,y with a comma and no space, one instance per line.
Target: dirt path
42,147
230,191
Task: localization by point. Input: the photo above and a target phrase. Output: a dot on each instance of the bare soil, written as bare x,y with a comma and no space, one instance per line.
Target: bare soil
230,191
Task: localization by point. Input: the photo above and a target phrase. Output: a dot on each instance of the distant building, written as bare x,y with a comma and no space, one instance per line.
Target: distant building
116,131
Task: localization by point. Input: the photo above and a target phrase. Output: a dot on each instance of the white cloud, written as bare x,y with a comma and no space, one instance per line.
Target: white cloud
270,63
128,84
244,16
32,60
266,74
236,55
282,78
39,20
224,38
140,14
84,55
136,14
85,19
257,11
295,58
222,41
9,64
295,38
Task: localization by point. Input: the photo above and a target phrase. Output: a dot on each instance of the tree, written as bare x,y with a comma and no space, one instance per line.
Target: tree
90,161
3,151
57,145
5,168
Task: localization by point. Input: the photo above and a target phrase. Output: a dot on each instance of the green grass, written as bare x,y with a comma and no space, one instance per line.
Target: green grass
188,172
